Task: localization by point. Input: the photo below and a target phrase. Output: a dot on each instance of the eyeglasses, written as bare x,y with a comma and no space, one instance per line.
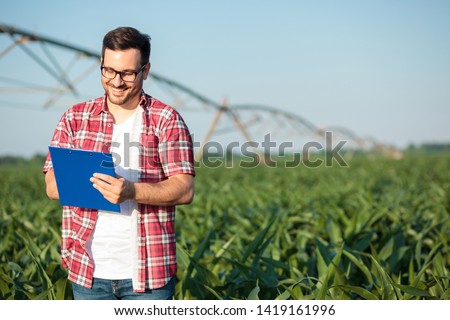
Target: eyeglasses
127,76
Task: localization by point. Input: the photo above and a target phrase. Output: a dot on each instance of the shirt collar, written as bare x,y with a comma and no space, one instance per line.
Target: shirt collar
102,106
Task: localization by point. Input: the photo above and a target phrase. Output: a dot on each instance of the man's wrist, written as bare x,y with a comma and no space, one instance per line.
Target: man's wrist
132,190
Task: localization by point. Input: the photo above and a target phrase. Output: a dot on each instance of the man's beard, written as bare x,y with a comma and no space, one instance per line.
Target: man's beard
118,99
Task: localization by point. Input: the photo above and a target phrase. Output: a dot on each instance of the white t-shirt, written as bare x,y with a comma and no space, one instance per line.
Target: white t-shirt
112,243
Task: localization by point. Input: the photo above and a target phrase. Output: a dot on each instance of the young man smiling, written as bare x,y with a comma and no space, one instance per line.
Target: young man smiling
131,254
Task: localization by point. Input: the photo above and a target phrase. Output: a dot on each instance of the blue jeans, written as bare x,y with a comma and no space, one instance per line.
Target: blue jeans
103,289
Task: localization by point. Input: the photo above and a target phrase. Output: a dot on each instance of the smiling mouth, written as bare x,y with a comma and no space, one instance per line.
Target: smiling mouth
118,91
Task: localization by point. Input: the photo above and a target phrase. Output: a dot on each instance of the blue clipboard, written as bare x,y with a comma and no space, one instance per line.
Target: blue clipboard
73,169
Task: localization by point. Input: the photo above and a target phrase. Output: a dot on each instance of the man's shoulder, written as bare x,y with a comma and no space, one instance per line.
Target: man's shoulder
161,109
89,106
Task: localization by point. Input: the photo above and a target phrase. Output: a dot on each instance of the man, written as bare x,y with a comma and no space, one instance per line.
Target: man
131,254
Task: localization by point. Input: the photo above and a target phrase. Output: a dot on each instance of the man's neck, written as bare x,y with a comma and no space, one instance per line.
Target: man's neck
121,113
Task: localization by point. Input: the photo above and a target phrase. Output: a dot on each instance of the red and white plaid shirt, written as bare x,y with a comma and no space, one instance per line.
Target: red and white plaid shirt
165,150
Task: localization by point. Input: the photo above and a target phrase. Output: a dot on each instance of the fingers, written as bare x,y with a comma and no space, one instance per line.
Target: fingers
105,185
109,179
102,181
113,189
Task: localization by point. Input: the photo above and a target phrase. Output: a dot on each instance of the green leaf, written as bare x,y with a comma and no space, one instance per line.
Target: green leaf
213,292
388,292
253,246
360,291
33,250
284,296
182,257
254,293
413,290
328,275
225,247
387,250
360,266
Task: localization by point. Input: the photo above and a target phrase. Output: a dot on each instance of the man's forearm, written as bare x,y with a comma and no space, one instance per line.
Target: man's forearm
51,188
176,190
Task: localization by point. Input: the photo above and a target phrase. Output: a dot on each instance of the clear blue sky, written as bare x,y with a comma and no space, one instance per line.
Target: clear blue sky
380,68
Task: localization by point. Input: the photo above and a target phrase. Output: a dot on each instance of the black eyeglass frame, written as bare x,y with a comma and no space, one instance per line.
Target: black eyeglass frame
120,73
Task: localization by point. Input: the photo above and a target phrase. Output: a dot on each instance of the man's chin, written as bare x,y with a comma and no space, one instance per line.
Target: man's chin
116,100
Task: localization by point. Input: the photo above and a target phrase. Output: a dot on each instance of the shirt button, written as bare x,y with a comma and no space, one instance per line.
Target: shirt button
109,125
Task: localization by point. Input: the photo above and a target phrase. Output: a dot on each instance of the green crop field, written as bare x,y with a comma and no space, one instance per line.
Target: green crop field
378,229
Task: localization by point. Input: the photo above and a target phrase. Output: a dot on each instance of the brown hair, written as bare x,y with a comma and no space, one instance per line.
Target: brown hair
124,38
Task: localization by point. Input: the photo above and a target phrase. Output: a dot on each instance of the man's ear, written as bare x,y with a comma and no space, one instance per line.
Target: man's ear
146,70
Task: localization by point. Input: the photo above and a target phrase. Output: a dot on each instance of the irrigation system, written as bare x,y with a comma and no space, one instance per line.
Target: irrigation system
61,73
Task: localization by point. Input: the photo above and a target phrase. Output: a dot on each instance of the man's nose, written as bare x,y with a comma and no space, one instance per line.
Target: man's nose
117,80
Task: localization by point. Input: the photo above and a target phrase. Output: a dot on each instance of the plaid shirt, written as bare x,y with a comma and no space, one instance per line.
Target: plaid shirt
165,150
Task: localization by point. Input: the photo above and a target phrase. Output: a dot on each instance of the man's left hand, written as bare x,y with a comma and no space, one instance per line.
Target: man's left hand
115,190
